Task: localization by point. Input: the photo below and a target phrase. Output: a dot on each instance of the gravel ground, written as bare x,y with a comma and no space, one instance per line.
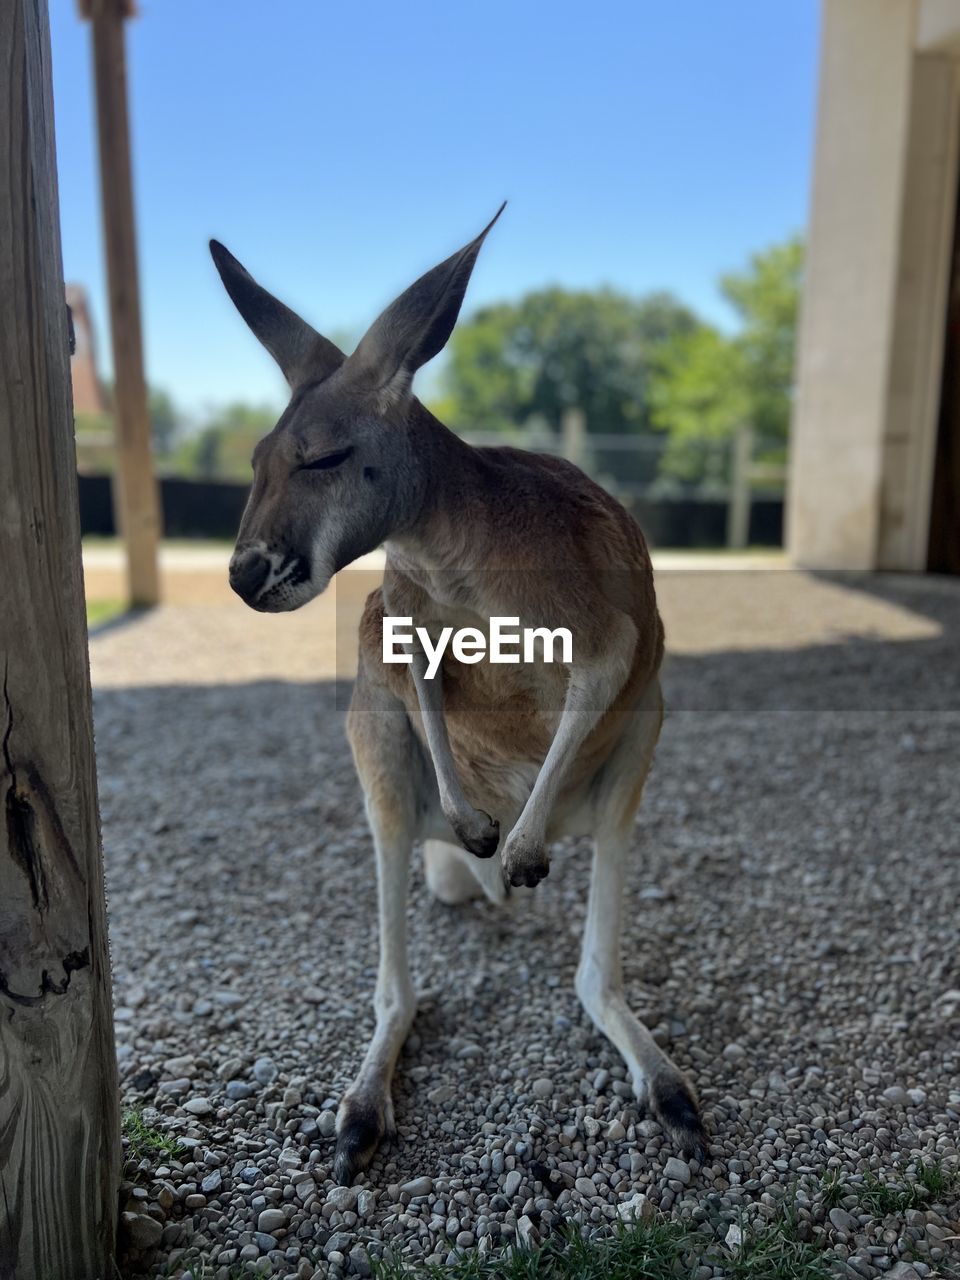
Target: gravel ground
791,936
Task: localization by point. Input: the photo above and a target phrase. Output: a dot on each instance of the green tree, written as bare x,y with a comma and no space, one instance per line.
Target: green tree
165,422
555,349
706,384
222,447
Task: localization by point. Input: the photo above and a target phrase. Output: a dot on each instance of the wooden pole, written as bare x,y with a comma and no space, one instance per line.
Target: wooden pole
738,507
137,501
59,1114
573,435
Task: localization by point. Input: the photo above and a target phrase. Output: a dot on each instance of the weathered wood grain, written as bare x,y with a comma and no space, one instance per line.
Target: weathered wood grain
59,1122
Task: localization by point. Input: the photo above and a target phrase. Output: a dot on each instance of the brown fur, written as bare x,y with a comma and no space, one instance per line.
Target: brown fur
598,566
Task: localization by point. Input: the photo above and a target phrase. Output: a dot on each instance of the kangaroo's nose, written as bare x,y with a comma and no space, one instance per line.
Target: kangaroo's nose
248,572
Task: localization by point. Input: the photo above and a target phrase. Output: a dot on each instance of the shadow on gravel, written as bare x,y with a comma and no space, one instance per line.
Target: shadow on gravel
849,674
119,622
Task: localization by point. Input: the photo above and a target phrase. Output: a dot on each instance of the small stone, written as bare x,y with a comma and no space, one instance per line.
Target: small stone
305,1190
897,1095
903,1271
327,1123
141,1230
418,1187
511,1183
237,1090
182,1066
734,1237
339,1242
212,1183
842,1220
734,1052
616,1132
198,1106
271,1220
359,1261
543,1087
174,1087
586,1187
229,1069
343,1198
677,1169
527,1231
265,1071
637,1209
228,999
366,1202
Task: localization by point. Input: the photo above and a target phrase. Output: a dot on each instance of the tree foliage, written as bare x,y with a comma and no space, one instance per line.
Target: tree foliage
221,449
555,349
706,383
634,364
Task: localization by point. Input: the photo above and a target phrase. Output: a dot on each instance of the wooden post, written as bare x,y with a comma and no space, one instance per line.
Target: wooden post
738,510
136,497
59,1114
573,431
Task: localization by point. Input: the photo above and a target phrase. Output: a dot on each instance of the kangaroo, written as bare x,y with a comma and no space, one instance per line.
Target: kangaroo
486,764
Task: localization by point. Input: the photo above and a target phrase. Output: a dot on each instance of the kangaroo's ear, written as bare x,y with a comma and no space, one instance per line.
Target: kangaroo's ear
415,327
302,354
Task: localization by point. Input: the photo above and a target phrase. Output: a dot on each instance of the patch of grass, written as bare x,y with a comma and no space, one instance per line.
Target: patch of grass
832,1188
776,1253
933,1182
660,1250
100,611
144,1142
940,1182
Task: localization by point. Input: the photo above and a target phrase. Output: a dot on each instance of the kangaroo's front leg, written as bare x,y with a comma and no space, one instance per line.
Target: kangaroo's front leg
592,687
475,830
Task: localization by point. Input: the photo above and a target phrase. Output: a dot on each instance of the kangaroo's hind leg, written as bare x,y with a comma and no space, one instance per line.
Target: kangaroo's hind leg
393,771
656,1080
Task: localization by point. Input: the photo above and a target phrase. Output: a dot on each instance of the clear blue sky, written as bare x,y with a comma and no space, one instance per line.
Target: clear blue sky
340,150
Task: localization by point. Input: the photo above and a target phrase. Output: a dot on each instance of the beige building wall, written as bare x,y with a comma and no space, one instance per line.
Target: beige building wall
871,334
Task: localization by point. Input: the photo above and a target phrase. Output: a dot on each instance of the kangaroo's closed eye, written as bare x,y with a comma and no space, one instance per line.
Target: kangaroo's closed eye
328,461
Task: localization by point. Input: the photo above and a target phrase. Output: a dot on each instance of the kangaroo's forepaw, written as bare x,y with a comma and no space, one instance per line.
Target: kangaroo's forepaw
478,832
362,1125
525,860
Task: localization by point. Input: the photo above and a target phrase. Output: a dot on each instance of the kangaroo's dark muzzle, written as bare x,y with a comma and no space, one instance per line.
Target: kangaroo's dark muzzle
248,573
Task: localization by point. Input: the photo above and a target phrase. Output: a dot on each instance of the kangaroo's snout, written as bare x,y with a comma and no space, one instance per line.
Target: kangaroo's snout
248,572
